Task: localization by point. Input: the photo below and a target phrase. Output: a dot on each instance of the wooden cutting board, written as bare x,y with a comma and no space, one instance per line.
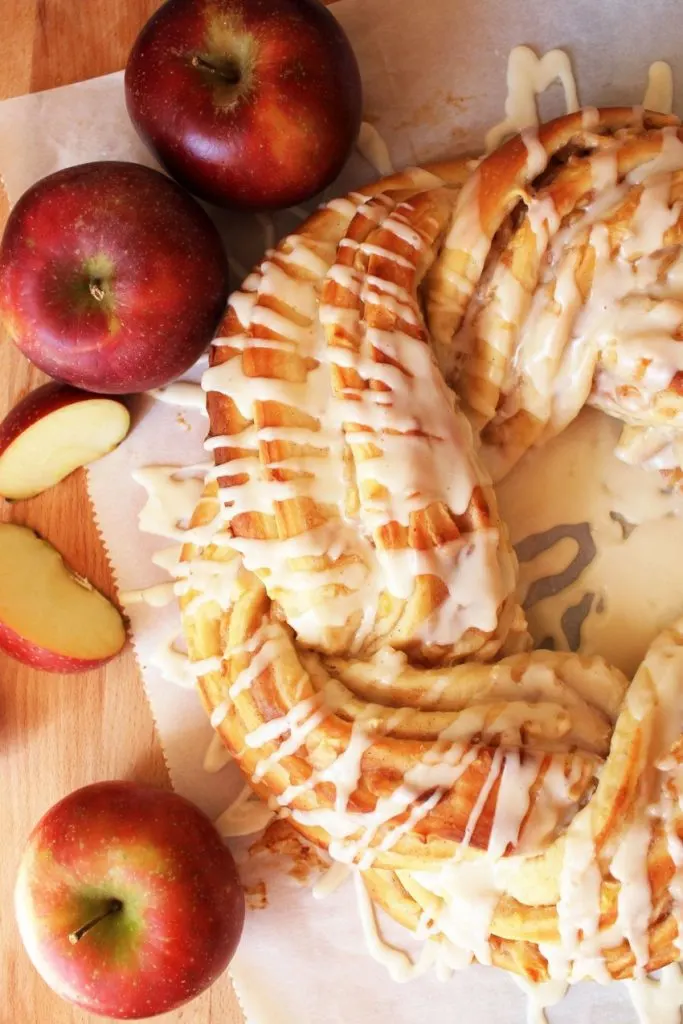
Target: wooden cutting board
61,732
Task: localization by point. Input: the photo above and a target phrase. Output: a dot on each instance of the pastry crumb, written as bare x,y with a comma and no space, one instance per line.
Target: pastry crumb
256,896
281,839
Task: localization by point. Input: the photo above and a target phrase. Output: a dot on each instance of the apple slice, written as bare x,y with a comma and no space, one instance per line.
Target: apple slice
52,431
49,617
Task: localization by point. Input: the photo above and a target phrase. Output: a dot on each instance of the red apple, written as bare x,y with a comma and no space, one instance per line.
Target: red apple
49,617
251,104
51,432
128,902
111,277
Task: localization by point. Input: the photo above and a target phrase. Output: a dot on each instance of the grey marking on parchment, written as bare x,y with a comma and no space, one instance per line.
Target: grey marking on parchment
627,528
537,543
573,620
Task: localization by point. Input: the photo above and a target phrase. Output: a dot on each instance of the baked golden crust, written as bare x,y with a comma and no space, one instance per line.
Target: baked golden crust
367,582
526,923
322,448
516,303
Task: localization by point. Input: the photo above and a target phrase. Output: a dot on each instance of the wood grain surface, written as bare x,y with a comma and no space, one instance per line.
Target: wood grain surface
61,732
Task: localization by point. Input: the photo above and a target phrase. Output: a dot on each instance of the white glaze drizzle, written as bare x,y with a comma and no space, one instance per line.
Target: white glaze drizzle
629,867
330,880
658,1001
173,493
660,88
540,996
175,666
245,815
398,963
217,755
374,149
185,393
527,77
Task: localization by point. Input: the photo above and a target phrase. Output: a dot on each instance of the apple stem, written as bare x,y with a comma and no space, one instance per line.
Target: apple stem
113,907
96,290
228,69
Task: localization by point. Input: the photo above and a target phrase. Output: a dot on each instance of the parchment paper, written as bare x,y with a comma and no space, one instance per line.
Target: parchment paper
434,77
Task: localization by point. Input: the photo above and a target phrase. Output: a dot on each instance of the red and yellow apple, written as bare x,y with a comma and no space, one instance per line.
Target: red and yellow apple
112,278
128,902
49,617
251,104
51,432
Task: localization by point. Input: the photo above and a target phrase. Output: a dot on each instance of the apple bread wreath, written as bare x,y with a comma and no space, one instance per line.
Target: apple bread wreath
351,607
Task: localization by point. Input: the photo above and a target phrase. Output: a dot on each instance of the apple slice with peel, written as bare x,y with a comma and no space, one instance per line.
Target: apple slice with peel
52,431
49,617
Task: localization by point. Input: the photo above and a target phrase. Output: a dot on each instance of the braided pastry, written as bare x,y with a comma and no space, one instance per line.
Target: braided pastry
354,582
